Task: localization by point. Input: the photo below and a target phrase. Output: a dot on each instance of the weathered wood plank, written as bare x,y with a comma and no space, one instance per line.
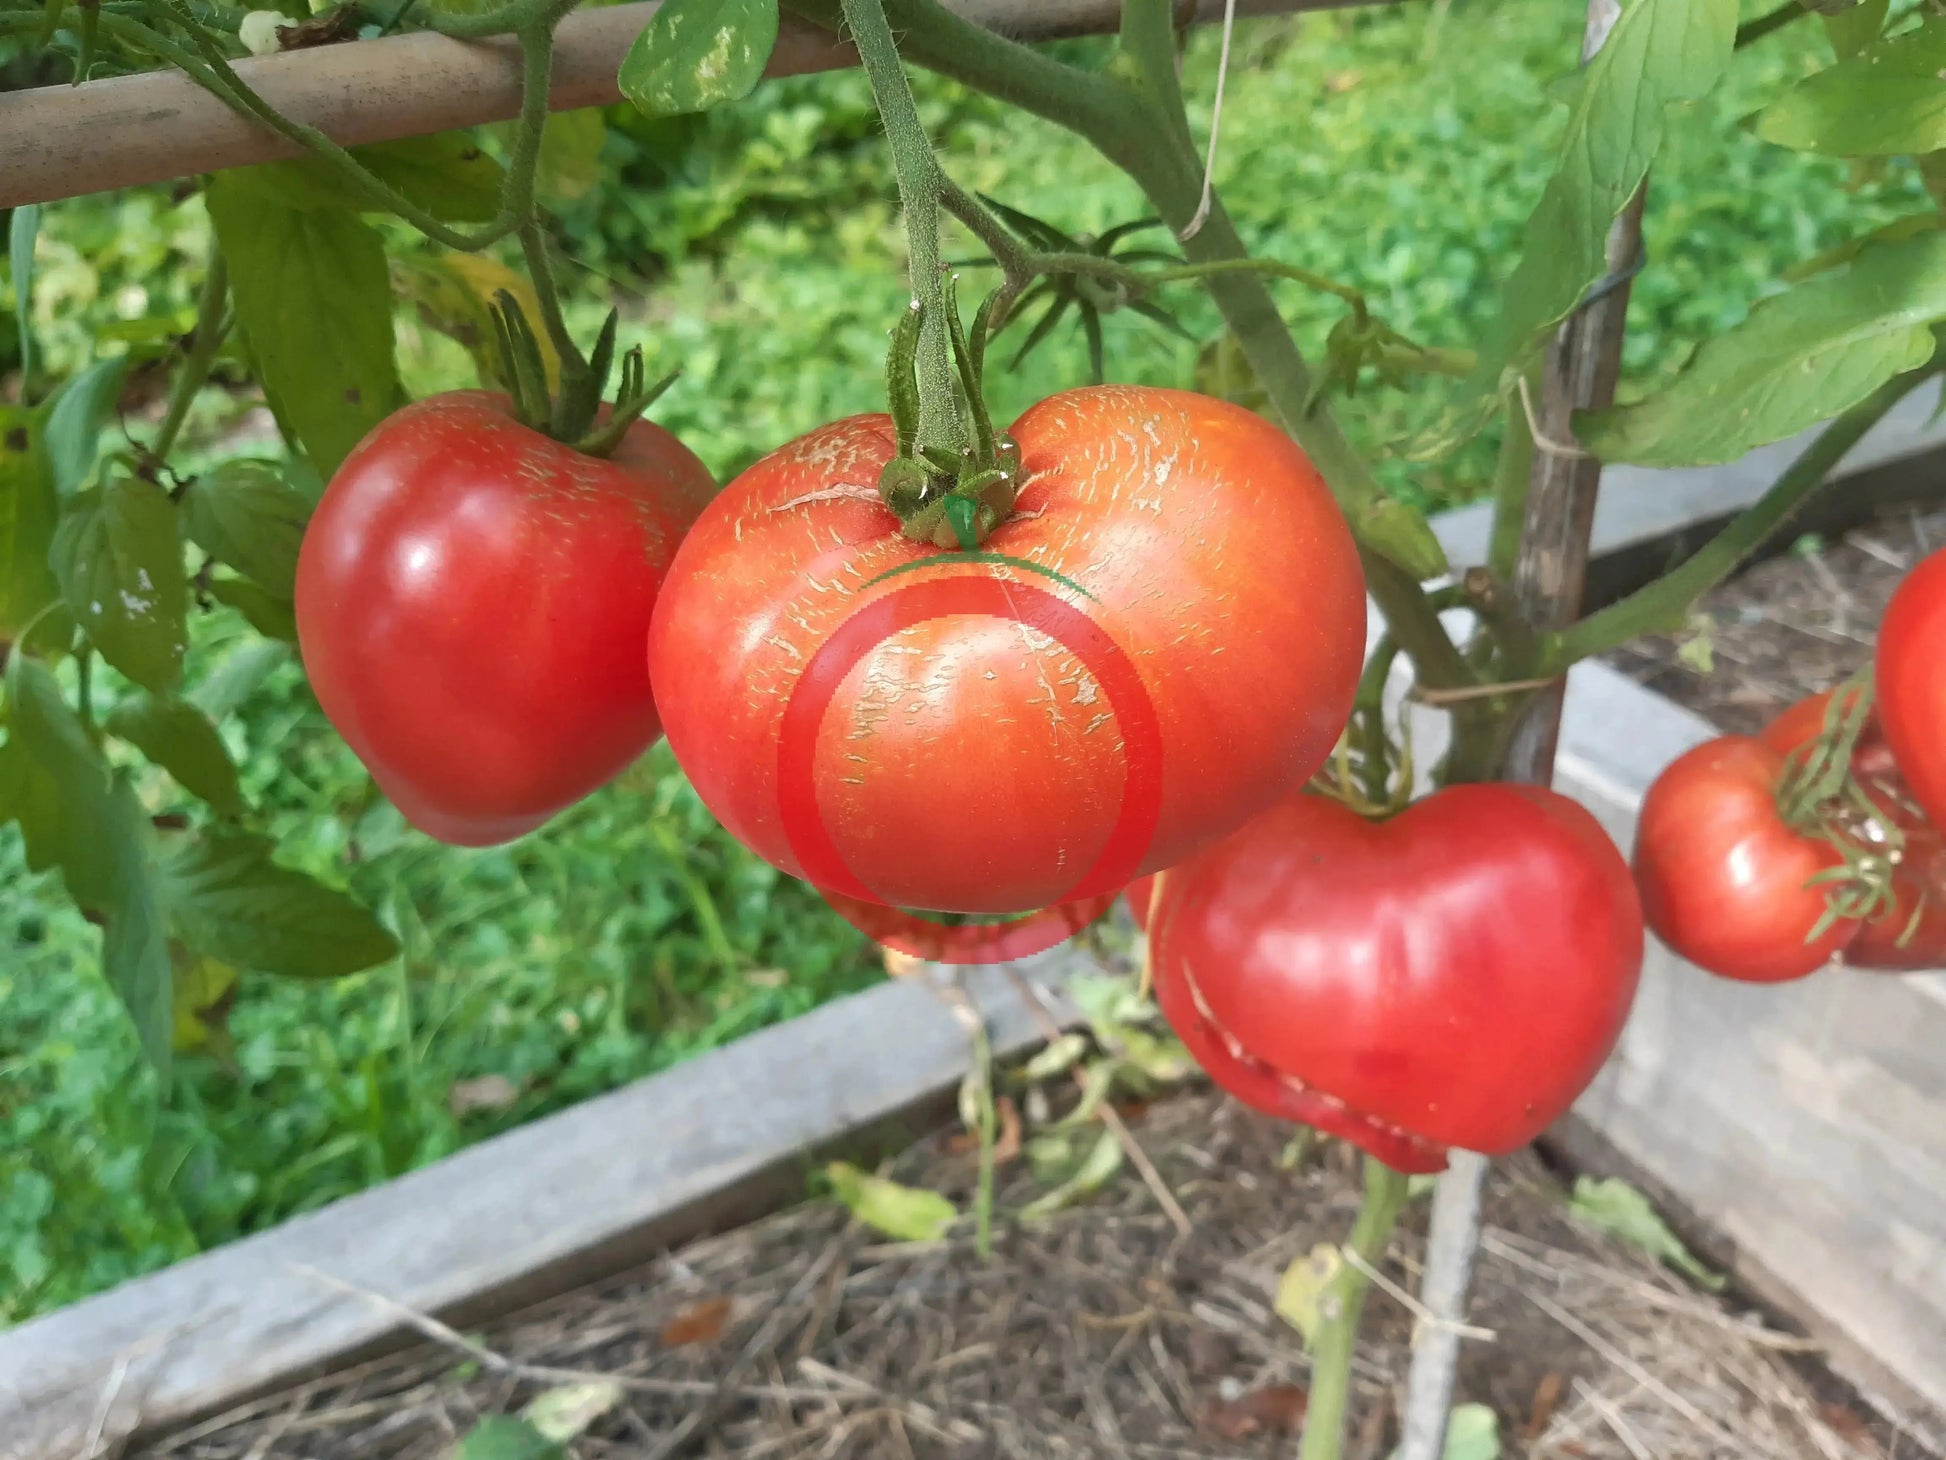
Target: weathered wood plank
527,1214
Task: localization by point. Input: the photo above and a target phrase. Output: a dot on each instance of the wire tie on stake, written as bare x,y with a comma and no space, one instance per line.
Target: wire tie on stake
1195,225
1422,1316
1542,441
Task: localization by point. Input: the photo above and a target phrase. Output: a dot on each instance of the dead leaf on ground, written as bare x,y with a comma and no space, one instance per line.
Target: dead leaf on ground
482,1092
701,1322
1006,1144
1278,1408
1547,1396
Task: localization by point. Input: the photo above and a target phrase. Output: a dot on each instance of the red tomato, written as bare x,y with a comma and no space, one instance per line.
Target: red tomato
1911,932
1910,674
472,600
1452,976
1139,893
1725,880
1165,634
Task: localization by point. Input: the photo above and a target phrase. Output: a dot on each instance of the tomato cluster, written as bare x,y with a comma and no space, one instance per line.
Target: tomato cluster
1764,858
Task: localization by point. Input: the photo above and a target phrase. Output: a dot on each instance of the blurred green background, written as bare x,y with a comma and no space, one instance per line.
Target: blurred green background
1398,150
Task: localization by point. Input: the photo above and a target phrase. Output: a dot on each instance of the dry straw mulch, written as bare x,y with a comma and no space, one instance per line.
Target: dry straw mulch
1106,1330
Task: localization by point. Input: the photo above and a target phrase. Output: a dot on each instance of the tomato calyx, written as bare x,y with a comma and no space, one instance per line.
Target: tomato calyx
1820,795
951,499
573,415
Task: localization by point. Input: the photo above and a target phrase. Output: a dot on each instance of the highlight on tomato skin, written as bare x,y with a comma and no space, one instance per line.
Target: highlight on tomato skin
1726,881
1452,976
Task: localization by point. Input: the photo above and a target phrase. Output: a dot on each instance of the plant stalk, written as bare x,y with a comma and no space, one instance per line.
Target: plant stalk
204,341
922,186
1340,1309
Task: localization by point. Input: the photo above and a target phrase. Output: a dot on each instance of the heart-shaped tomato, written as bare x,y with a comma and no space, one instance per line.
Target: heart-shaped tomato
1452,976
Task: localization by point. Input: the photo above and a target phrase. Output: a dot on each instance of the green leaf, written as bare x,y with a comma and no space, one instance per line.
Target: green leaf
1799,358
1618,1208
177,736
230,901
201,992
117,555
1887,100
570,161
75,816
695,54
1300,1291
240,674
28,510
246,516
504,1437
1850,31
1097,1169
903,1213
1472,1433
22,230
59,781
1660,54
134,945
447,173
564,1413
75,417
269,615
314,299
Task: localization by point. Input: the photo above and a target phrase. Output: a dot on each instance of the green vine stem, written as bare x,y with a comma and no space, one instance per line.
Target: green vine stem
1510,478
1132,113
204,341
1340,1308
922,187
1663,606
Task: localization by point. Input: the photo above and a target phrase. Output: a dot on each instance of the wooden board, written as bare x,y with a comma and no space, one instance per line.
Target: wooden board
528,1214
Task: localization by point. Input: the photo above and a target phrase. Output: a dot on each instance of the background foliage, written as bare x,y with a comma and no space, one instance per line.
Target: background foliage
756,247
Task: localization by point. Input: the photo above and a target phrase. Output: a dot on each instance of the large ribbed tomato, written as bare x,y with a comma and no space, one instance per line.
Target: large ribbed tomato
1910,933
472,601
1909,668
1164,635
1726,881
1451,976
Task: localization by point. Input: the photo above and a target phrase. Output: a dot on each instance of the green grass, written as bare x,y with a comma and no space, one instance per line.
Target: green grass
1397,150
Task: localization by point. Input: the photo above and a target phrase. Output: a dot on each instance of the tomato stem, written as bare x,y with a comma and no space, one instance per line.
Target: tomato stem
204,342
1341,1307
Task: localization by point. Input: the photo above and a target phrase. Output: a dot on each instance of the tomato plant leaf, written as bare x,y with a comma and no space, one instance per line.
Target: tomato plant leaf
28,511
695,54
453,293
570,161
269,615
246,516
76,815
447,173
1850,31
565,1412
134,946
314,301
62,783
1618,1208
1796,359
229,900
1888,99
903,1213
22,229
180,738
1300,1290
201,992
507,1437
1661,53
1097,1169
76,415
117,555
240,674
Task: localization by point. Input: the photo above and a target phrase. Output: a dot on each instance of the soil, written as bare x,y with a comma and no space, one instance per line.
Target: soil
1103,1330
1788,627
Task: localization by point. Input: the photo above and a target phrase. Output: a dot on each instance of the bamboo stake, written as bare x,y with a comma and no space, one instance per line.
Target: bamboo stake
62,141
